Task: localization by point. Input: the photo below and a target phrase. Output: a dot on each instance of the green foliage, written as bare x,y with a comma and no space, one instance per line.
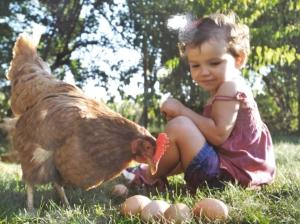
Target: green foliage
270,113
275,34
70,26
172,63
72,31
275,43
128,109
147,19
5,110
283,55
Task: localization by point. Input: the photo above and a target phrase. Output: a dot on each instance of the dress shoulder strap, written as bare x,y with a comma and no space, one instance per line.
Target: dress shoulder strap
239,96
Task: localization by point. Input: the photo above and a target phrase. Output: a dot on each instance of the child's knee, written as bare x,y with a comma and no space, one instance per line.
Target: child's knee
179,123
182,127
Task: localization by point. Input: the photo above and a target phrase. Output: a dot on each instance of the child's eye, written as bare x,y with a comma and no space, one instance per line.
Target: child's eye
194,65
215,63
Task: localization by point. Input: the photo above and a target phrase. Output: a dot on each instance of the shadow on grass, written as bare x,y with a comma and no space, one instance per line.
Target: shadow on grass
11,202
13,196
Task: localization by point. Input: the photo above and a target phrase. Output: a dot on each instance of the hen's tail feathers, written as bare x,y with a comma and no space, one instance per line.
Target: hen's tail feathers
26,45
25,53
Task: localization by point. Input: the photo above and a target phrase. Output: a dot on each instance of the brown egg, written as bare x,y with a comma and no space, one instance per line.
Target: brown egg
134,205
178,213
120,190
154,210
211,208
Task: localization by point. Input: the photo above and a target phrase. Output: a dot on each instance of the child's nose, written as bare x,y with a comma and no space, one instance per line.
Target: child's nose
204,71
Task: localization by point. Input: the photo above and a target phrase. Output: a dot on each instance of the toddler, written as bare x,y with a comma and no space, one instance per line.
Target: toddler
228,141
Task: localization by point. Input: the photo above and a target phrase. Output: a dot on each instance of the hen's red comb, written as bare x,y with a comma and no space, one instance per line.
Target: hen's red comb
162,143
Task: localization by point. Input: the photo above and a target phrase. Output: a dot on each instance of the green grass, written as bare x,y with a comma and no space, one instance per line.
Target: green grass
277,203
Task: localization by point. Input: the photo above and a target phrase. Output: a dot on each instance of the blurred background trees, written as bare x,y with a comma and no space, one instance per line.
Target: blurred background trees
75,42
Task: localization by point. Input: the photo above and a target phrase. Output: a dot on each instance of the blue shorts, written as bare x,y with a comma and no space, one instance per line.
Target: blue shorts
205,169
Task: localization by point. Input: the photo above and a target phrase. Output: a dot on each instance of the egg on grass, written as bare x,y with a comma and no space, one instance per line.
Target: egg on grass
120,190
178,213
211,208
134,205
154,210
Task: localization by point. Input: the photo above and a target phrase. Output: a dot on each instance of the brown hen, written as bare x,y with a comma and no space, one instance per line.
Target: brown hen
64,137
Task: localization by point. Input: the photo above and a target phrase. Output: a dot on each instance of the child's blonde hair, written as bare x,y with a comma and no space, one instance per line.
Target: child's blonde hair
217,27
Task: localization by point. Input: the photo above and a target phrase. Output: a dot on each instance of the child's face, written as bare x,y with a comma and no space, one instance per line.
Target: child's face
211,65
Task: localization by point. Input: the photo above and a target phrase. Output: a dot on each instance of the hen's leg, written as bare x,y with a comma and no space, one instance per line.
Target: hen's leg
61,193
30,196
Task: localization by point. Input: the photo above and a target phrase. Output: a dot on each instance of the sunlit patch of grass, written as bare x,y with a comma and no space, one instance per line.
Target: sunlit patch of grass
276,203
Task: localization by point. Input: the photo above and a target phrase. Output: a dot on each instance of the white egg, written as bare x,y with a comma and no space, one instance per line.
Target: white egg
134,204
154,210
211,208
120,190
178,213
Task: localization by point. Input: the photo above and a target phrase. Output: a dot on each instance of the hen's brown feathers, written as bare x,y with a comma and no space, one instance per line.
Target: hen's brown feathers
63,136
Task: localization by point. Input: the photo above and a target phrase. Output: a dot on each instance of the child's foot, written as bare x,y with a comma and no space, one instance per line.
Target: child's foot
140,176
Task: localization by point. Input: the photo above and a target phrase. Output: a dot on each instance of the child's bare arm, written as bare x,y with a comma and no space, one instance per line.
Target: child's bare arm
217,128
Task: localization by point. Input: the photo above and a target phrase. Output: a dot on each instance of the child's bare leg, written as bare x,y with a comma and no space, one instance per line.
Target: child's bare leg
169,161
188,138
177,170
186,141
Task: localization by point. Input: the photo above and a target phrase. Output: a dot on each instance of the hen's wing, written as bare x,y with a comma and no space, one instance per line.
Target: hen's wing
42,130
96,152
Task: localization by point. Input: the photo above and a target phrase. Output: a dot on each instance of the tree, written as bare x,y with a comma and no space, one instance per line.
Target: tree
71,26
276,46
275,50
147,20
6,40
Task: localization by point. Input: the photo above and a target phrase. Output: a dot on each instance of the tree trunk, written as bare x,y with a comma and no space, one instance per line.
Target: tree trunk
298,93
144,118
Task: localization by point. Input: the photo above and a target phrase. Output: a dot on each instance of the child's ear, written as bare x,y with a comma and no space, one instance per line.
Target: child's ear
240,59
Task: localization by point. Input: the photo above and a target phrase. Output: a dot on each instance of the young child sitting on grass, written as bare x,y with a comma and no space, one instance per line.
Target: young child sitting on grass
228,141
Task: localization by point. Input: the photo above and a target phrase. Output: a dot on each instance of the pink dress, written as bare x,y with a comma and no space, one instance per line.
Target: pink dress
248,152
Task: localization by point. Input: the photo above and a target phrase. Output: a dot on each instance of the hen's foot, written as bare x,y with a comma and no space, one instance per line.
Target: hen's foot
61,193
30,197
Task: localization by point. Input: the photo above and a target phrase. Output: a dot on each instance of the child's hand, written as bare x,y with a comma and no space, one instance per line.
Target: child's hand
171,108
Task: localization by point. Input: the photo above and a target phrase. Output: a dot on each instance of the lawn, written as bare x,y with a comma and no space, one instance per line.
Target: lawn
277,203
